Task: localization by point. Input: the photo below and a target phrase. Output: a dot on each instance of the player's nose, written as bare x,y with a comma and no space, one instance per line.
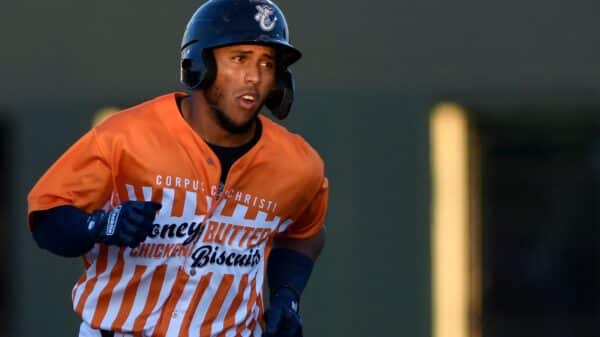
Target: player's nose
252,74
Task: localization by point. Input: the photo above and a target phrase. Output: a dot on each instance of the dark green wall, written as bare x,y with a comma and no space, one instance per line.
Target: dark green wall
370,74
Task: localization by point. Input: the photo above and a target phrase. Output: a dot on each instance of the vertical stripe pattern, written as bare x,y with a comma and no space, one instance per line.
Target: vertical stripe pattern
149,290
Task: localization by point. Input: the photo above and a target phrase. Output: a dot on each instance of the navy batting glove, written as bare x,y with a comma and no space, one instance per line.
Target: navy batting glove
128,224
282,318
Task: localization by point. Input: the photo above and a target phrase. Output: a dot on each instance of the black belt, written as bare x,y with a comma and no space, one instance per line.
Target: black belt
106,333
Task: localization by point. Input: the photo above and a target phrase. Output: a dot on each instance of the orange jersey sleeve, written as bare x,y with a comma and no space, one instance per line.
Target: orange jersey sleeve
312,220
81,177
305,179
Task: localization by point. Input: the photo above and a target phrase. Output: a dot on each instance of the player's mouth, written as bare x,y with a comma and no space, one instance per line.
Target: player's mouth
248,101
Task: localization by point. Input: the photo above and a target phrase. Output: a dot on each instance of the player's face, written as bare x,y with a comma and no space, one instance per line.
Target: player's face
245,76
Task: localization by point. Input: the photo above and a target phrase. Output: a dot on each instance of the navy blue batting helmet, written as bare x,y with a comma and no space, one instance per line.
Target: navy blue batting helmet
219,23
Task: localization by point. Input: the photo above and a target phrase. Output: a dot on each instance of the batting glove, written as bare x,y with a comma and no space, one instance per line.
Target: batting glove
128,224
282,318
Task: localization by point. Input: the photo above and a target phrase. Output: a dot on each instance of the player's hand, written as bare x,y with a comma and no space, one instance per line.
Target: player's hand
282,318
128,224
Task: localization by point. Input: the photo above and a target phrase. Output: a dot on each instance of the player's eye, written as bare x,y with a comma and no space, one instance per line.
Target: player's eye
238,58
267,64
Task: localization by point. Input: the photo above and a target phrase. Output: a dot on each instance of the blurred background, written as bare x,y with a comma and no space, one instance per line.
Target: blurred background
461,139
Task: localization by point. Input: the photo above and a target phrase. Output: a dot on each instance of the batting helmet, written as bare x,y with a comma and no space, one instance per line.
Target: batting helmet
219,23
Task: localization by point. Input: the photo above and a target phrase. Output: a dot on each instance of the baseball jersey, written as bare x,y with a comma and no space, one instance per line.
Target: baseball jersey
201,270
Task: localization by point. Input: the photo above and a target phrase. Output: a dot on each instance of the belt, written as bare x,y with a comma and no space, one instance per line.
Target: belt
106,333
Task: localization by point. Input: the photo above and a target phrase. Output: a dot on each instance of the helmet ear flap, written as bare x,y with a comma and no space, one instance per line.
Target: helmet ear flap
281,97
199,73
210,69
190,77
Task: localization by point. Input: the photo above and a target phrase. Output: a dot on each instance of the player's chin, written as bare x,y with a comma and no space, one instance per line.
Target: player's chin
243,117
239,128
237,122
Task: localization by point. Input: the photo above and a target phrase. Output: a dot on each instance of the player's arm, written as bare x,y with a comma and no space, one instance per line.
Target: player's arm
291,262
288,271
61,230
69,231
290,265
63,205
310,247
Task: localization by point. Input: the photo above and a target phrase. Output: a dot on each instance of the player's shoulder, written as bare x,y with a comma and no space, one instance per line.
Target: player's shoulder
293,150
140,116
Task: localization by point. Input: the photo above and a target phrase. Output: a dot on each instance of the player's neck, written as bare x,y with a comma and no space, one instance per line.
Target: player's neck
197,112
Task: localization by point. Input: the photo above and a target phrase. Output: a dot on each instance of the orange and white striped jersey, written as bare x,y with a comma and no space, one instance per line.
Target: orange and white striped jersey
201,270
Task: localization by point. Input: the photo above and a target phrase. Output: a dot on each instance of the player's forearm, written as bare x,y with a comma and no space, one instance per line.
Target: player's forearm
62,230
291,262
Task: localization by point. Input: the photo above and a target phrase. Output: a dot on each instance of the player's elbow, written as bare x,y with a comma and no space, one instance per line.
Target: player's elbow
320,239
311,246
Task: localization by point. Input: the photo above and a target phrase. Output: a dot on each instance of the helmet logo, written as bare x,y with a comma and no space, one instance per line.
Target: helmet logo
264,17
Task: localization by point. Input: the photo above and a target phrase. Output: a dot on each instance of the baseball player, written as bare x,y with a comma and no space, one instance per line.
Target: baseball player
182,205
